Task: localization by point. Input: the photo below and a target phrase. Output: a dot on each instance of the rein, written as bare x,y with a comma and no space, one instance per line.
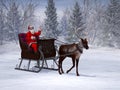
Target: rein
61,42
79,49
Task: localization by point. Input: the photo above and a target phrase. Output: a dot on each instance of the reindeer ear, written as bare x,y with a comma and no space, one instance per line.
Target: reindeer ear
85,39
81,39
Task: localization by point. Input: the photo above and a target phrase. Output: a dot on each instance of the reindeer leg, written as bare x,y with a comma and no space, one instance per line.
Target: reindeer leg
60,65
62,68
77,61
73,60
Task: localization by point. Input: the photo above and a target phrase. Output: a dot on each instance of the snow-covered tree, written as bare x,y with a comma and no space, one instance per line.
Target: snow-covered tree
86,7
95,22
77,24
112,29
28,17
2,26
13,22
51,22
64,25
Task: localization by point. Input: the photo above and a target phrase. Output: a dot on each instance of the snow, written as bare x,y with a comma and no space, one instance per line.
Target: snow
98,67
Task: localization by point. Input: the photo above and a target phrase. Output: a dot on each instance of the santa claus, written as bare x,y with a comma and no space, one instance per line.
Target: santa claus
31,37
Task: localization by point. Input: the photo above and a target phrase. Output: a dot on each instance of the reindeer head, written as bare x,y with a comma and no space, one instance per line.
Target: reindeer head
85,43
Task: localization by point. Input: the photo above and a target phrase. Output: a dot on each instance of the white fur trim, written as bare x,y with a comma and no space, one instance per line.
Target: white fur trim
31,43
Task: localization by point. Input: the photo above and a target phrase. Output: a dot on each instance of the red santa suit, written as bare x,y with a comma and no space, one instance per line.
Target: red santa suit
31,39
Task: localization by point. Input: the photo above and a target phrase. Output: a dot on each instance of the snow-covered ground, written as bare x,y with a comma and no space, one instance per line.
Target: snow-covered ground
99,69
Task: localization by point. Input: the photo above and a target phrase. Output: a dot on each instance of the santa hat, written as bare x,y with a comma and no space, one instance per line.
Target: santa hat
30,27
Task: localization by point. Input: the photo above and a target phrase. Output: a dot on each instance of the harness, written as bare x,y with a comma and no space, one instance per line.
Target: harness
79,47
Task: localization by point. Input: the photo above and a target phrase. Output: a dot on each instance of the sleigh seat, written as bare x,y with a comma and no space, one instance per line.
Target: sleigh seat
46,51
27,53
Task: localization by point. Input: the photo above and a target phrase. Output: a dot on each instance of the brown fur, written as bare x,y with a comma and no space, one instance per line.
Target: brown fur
73,51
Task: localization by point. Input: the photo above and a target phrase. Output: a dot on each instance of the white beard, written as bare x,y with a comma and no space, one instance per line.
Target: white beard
32,31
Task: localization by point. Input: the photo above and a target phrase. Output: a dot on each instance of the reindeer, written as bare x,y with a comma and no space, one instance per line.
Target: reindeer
73,51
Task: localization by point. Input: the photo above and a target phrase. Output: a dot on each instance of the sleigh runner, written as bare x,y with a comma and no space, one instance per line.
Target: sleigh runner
46,52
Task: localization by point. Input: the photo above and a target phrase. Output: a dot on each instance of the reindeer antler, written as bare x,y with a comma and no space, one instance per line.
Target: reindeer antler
76,29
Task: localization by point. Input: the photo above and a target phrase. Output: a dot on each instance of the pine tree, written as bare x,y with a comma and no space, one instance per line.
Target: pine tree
77,24
28,17
51,20
2,26
113,27
13,22
95,23
64,23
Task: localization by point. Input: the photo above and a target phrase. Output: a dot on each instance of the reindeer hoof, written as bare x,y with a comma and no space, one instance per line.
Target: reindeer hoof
60,73
67,72
78,74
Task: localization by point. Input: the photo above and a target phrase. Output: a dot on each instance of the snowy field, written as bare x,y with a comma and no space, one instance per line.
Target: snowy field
99,69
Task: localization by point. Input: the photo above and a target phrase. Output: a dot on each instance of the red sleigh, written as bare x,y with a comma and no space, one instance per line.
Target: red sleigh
47,51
